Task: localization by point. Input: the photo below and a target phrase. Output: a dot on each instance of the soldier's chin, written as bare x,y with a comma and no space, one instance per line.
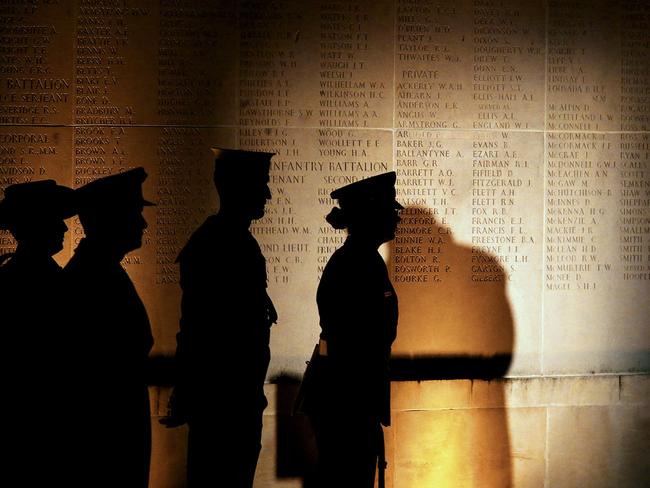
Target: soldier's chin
55,247
388,236
257,213
133,244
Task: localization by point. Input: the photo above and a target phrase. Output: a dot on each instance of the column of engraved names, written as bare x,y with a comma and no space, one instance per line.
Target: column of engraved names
635,65
196,62
97,152
284,233
268,65
353,91
101,62
634,206
503,195
100,151
183,179
427,184
104,95
16,165
580,182
28,154
508,57
429,60
582,80
358,154
34,65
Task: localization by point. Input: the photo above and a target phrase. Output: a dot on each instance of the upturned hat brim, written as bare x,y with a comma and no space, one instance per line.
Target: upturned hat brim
36,201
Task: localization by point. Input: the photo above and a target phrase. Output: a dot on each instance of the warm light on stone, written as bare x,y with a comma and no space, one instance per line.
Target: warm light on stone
520,135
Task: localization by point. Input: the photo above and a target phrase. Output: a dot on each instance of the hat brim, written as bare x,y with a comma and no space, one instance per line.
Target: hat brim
54,213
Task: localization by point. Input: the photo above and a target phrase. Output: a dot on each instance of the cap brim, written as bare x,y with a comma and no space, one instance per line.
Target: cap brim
69,213
240,154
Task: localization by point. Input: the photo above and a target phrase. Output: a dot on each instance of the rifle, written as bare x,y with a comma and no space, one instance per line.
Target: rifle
381,458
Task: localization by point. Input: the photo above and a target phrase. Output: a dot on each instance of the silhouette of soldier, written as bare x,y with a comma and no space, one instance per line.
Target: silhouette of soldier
226,314
114,336
349,396
31,304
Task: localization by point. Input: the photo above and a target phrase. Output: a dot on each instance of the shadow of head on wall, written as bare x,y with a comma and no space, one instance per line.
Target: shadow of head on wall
454,316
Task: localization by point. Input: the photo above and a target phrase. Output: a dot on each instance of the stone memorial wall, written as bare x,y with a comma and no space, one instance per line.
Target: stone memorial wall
519,131
520,134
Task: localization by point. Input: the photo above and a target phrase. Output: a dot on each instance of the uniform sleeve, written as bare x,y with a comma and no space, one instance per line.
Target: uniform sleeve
201,311
350,306
223,303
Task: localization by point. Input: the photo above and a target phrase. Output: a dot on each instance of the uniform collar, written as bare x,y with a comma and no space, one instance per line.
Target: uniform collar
98,251
357,242
27,259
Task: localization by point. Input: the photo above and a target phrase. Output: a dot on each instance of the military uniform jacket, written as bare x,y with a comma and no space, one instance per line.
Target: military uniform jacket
109,316
226,314
31,301
112,338
30,294
32,310
358,317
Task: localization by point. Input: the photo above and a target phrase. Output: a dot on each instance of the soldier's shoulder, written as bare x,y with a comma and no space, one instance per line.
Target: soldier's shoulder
352,257
208,230
204,239
352,268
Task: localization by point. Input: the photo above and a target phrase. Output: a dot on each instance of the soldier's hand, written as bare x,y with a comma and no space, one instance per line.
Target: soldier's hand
170,421
176,412
272,314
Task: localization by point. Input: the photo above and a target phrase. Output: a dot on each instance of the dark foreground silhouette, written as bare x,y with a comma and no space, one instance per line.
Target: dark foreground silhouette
223,344
32,304
110,339
346,388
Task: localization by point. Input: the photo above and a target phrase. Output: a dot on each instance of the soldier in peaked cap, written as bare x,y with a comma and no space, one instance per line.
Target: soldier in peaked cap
112,322
34,212
349,396
31,302
226,315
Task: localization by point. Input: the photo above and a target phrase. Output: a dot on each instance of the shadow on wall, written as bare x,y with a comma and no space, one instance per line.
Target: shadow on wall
455,322
454,316
295,443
